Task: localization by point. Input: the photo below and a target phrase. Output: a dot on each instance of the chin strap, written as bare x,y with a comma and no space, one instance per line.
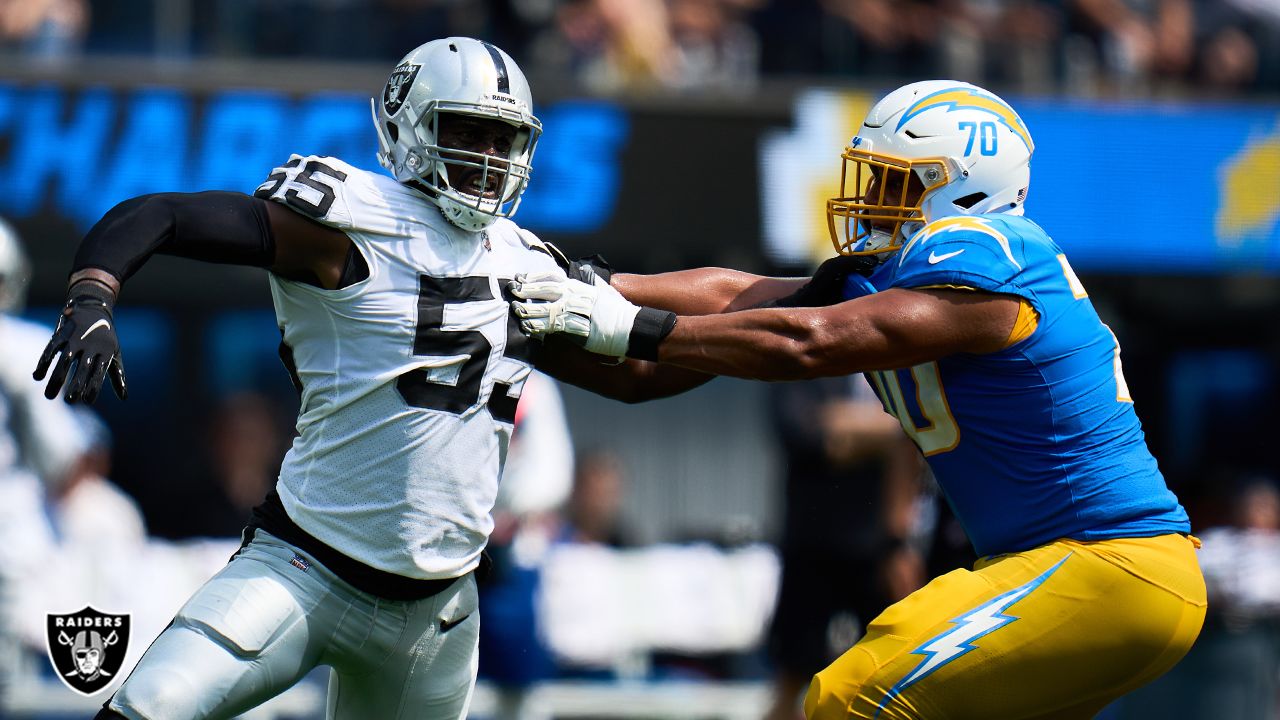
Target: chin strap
384,147
463,217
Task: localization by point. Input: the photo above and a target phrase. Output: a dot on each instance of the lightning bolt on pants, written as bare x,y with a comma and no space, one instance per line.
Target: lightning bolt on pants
1053,633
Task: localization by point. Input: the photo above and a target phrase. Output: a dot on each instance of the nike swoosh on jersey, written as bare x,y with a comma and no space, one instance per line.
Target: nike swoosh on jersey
95,326
935,258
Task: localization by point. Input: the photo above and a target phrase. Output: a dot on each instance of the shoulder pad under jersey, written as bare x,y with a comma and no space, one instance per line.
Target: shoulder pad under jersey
982,252
343,196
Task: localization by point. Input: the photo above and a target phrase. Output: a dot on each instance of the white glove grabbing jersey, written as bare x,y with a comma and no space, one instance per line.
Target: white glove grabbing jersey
558,304
409,378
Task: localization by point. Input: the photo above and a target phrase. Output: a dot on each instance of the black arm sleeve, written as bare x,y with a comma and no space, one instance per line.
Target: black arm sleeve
220,227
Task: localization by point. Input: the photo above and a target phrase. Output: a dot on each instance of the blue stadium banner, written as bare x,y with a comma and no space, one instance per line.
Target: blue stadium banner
1124,188
79,152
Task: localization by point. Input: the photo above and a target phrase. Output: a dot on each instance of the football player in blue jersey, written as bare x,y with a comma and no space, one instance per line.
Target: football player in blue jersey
977,335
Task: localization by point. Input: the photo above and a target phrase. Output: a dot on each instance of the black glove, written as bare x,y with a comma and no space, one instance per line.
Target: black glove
86,346
826,287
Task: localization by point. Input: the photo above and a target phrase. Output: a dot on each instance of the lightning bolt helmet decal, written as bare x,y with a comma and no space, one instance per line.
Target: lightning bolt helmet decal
962,98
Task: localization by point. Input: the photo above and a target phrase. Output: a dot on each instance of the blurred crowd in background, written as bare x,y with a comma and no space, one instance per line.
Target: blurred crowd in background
1080,46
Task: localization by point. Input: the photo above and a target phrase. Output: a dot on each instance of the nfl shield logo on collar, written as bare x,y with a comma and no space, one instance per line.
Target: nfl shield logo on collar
87,648
398,86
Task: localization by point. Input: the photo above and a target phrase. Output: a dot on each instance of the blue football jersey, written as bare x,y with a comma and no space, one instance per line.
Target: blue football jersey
1038,441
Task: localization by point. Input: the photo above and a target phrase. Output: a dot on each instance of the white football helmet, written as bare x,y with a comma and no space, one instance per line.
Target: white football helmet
963,147
466,77
15,271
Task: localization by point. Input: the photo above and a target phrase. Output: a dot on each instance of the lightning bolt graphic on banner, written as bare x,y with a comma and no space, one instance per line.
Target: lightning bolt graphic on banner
951,644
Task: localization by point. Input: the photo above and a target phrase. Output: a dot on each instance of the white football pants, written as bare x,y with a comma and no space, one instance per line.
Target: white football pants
263,622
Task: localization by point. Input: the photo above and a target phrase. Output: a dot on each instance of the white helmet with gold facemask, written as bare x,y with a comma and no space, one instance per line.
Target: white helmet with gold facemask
928,150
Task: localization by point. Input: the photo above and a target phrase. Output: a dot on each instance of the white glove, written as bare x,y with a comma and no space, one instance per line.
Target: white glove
554,303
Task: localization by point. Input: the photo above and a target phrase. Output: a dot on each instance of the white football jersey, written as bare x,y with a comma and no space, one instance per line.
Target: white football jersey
409,378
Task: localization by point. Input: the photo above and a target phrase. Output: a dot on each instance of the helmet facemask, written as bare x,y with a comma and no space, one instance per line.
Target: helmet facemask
472,187
880,201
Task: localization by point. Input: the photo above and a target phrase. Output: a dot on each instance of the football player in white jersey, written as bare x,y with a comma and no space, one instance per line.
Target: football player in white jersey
390,295
40,444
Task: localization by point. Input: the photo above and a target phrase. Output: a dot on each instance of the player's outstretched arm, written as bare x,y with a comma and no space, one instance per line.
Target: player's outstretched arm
891,329
219,227
707,291
702,291
629,381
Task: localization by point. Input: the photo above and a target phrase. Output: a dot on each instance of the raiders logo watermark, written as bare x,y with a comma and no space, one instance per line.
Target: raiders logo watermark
398,86
87,648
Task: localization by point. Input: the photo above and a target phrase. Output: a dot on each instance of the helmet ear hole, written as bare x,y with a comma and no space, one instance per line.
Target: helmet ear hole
393,131
970,200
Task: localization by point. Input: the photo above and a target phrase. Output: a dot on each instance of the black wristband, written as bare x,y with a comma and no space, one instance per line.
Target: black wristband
91,289
650,328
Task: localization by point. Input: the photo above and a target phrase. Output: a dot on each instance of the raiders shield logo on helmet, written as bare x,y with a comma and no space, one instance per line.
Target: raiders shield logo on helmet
87,648
398,86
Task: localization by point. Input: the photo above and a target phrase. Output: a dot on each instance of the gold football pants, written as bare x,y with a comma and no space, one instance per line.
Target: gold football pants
1054,633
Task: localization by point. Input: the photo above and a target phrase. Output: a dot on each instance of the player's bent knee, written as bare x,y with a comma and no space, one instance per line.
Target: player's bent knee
833,690
158,693
821,703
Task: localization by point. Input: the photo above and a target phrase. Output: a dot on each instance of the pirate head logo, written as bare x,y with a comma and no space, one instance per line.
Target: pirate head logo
398,86
87,648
